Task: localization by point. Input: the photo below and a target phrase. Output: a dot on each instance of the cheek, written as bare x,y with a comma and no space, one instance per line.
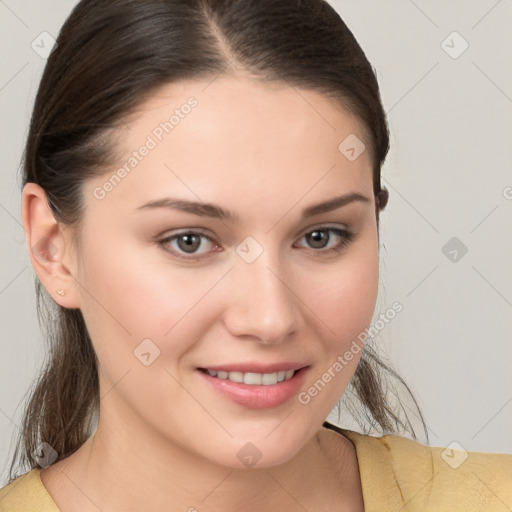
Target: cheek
347,291
343,306
129,295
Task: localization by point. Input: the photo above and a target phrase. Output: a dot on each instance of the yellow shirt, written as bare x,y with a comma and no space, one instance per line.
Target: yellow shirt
397,475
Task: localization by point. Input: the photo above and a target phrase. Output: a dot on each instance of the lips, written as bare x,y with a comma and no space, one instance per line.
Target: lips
250,394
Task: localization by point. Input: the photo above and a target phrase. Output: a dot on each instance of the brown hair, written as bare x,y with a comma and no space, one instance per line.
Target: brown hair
110,57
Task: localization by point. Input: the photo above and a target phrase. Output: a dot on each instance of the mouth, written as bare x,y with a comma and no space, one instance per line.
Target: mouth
252,378
276,386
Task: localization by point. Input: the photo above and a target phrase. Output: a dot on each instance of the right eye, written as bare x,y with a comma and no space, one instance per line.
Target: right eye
187,242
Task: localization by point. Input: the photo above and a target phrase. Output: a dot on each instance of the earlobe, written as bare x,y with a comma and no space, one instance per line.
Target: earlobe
49,248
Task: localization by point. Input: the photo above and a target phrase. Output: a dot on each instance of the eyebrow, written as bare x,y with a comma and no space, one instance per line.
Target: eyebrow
216,212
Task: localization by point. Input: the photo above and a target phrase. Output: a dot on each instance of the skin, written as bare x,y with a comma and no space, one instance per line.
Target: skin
164,437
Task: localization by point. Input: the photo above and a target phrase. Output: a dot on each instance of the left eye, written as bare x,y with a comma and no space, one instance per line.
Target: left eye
318,236
189,242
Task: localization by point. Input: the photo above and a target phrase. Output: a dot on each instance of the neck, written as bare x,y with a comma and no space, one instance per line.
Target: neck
136,469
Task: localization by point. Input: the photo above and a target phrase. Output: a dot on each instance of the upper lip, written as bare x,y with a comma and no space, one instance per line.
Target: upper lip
256,367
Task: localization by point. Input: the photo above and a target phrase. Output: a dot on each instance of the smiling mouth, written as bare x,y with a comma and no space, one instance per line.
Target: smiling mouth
251,378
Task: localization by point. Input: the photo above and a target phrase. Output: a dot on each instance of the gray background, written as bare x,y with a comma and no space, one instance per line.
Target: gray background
449,175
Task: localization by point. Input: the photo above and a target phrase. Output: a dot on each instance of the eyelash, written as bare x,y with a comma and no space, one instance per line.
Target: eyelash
346,237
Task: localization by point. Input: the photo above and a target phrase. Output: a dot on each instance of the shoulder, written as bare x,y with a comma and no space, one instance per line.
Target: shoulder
396,470
26,492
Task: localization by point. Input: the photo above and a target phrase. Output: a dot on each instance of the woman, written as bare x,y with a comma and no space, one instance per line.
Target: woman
201,203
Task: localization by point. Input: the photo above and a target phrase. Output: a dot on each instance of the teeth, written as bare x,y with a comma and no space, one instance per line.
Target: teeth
254,378
258,379
267,379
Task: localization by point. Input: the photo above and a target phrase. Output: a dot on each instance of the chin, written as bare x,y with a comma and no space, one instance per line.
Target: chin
254,452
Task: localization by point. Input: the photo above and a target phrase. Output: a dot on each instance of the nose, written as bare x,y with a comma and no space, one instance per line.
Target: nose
261,303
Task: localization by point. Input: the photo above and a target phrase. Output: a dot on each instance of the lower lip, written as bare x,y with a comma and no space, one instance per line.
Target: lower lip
258,396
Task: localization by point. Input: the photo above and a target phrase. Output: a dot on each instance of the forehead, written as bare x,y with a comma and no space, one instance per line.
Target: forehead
231,139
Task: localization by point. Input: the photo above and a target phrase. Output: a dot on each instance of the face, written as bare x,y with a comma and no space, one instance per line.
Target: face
169,290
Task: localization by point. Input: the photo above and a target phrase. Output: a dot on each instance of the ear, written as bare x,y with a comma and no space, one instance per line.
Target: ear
49,246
